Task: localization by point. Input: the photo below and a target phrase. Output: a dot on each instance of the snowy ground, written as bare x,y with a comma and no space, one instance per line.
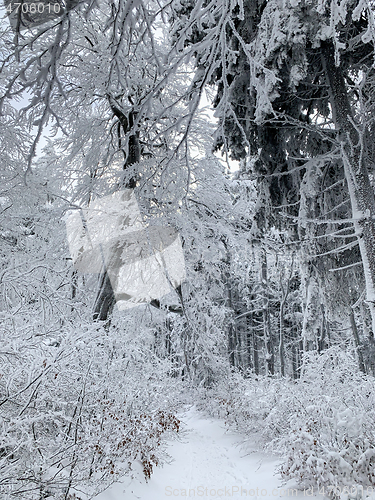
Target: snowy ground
208,462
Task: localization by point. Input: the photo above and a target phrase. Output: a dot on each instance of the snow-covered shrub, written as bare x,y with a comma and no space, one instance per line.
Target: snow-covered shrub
81,412
80,404
331,440
322,424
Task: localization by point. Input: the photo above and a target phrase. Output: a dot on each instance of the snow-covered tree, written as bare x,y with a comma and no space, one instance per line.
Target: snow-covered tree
293,92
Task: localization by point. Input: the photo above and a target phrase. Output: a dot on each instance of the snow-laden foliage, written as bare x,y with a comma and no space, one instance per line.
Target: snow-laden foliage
321,425
81,410
82,402
272,282
79,404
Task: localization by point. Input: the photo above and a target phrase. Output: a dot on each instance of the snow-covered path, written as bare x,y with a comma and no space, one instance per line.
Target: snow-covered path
207,462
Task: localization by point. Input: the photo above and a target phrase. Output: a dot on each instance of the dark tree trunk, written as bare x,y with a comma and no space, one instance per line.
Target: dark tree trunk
231,346
249,328
357,342
267,334
255,352
105,299
281,340
354,154
322,341
295,364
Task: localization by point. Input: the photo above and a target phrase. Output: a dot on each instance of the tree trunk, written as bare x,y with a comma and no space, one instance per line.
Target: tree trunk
310,279
295,359
267,335
231,345
357,342
249,328
369,339
354,152
322,342
231,326
105,299
281,340
255,352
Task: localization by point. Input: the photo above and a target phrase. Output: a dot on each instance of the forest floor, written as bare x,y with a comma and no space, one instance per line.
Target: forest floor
209,462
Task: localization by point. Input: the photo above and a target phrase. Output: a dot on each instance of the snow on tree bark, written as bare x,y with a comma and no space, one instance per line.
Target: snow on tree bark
353,147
